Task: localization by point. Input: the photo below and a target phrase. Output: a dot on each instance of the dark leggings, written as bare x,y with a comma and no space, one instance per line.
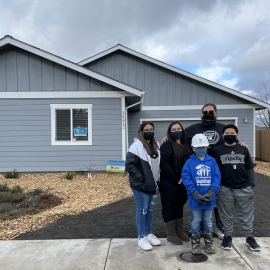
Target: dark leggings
173,199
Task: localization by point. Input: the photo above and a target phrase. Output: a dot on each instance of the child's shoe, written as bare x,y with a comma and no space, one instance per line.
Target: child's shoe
209,245
195,243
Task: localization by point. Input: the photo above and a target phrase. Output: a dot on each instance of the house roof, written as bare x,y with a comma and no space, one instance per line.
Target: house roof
177,70
9,40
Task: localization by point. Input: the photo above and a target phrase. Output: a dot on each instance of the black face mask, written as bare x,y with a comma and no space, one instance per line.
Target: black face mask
230,139
148,135
208,119
176,134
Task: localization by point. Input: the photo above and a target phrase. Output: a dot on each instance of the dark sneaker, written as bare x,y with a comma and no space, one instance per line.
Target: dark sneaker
227,242
251,242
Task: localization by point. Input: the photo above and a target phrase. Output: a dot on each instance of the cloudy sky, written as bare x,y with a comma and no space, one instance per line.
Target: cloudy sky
226,41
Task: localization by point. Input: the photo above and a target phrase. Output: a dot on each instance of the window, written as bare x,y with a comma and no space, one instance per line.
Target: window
71,124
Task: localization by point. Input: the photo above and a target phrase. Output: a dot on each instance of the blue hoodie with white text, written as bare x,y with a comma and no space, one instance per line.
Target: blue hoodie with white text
201,175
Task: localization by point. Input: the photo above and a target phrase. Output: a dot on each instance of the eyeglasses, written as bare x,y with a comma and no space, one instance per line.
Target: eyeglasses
208,112
148,130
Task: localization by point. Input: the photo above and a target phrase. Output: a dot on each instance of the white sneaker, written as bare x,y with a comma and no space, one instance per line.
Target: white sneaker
144,244
219,234
152,239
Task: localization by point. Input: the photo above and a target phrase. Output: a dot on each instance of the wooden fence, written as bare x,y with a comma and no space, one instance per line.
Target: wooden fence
263,145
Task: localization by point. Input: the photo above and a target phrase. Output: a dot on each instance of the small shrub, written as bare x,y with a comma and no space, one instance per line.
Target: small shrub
12,175
14,202
16,190
36,192
4,188
6,197
4,208
70,175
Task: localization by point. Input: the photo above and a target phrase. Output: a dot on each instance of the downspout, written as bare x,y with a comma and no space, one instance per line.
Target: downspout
140,102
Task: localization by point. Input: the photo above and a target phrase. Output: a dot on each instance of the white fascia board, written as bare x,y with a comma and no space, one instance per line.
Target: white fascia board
70,65
65,94
99,55
177,70
199,107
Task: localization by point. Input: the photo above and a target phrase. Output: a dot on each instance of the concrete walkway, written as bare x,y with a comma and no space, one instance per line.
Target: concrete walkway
117,254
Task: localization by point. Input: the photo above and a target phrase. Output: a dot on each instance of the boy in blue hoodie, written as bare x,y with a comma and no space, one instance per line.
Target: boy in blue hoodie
201,177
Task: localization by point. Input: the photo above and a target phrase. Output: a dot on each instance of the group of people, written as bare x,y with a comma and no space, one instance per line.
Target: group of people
194,164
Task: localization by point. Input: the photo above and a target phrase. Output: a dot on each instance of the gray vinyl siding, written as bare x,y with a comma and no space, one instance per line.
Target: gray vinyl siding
161,86
23,71
25,136
245,129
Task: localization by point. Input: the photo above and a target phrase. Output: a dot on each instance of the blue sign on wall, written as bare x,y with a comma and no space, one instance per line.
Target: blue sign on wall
80,131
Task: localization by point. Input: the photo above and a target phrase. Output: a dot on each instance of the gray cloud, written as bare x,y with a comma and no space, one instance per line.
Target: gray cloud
226,40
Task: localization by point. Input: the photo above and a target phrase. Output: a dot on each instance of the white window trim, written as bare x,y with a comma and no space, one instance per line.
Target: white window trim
70,106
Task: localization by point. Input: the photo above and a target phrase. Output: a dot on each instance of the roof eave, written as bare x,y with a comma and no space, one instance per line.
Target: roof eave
177,70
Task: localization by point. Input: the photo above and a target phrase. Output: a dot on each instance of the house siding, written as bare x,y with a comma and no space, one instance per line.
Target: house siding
23,72
245,129
25,143
162,87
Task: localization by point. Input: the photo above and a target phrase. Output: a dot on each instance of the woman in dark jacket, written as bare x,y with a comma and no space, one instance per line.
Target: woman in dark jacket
142,164
174,154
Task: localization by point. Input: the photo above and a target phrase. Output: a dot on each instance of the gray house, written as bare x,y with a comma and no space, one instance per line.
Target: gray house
173,94
57,115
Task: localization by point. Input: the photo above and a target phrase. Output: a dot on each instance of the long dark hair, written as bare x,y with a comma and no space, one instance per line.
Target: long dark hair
152,146
181,151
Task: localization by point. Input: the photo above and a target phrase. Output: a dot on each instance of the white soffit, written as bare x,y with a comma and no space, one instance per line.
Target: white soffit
10,40
177,70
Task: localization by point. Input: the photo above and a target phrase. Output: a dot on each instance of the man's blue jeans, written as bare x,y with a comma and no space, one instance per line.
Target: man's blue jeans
204,216
145,204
